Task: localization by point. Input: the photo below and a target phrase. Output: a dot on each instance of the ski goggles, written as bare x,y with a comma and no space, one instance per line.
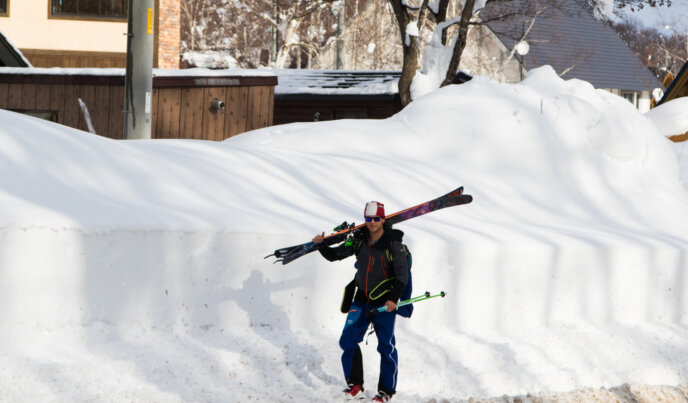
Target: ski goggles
373,219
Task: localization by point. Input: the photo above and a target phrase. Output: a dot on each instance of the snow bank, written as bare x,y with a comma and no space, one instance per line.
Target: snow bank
681,150
671,118
568,270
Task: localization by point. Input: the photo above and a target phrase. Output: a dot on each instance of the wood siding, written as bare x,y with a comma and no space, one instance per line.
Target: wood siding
679,138
66,58
181,107
305,110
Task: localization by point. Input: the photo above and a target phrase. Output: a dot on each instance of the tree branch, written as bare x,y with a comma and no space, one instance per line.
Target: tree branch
460,43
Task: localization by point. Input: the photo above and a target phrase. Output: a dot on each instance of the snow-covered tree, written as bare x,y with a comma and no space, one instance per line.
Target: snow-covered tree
259,32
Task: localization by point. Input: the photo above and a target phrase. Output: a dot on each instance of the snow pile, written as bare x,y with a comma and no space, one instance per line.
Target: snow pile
133,270
670,118
212,59
681,150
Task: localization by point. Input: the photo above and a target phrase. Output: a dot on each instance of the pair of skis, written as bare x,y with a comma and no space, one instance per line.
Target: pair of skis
453,198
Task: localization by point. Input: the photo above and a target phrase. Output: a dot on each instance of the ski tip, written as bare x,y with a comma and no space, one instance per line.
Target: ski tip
270,255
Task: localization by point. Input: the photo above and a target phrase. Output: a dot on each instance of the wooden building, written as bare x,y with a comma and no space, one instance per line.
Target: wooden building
314,95
677,89
192,104
78,33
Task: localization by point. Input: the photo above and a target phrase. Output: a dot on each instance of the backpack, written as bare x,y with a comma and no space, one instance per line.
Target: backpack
350,289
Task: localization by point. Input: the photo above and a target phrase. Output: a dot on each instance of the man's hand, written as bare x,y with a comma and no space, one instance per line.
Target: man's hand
391,306
319,238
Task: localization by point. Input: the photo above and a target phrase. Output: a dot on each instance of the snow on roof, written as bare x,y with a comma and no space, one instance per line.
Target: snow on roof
670,118
331,82
10,54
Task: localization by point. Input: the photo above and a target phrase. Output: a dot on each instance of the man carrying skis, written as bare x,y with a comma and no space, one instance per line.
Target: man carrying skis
381,276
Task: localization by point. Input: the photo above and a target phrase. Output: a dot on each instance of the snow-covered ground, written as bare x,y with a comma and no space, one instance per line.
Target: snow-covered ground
134,270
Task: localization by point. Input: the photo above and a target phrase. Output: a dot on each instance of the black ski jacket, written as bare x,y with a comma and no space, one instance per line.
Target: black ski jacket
374,266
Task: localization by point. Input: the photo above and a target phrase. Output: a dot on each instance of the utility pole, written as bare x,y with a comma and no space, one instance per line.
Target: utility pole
341,21
138,82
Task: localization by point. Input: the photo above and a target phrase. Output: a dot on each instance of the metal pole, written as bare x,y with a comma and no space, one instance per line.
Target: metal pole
138,86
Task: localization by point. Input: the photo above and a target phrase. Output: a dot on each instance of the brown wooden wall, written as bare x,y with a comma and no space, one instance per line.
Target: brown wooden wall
181,105
66,58
289,110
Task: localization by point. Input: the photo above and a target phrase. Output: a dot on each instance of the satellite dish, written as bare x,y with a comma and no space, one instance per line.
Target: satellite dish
522,48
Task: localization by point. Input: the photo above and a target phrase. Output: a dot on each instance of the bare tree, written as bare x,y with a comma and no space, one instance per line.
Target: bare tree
414,18
282,33
661,52
618,6
365,39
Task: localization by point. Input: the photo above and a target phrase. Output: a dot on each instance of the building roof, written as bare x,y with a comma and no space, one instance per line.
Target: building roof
321,84
306,84
678,87
10,56
569,37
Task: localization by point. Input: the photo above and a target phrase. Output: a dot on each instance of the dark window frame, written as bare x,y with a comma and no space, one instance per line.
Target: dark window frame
48,115
6,5
631,96
85,17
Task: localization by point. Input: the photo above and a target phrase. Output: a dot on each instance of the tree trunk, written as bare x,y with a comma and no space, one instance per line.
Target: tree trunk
411,49
460,44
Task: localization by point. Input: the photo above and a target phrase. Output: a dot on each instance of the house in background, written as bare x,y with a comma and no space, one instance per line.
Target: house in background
677,89
85,33
193,104
565,36
305,95
577,45
87,38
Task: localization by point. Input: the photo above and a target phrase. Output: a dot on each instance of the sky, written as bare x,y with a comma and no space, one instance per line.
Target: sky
135,271
665,19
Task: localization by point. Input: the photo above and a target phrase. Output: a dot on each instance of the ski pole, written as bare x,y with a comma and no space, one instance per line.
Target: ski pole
419,298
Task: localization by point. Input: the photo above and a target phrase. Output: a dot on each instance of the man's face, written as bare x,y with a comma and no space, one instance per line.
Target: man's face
372,225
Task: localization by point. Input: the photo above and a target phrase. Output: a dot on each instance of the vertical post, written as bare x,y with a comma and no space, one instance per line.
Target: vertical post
273,45
341,21
138,82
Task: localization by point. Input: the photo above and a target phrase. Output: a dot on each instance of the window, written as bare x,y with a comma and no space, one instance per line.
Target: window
114,9
631,96
47,115
3,7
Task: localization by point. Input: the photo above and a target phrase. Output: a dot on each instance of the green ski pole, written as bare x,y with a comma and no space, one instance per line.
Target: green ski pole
419,298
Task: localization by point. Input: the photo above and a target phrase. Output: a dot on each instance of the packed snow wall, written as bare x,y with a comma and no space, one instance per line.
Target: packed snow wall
578,215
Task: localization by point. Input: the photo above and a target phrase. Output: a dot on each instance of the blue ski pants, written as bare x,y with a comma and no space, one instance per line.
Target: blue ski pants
357,323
